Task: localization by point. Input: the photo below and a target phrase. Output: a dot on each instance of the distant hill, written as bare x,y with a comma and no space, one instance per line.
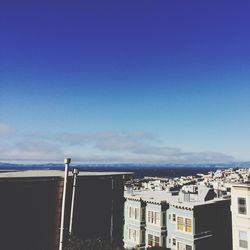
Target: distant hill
140,170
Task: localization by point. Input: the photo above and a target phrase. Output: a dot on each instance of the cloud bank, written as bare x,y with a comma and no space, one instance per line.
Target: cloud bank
111,147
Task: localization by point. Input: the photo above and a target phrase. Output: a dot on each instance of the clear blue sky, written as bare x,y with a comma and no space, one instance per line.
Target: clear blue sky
125,81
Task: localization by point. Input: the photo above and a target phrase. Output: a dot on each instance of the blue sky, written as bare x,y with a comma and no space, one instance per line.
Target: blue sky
125,81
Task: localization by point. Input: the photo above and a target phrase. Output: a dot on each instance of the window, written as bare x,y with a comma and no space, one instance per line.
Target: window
169,216
188,225
174,217
150,239
133,213
153,217
184,224
136,213
243,239
157,241
174,241
153,241
242,209
182,246
180,223
132,235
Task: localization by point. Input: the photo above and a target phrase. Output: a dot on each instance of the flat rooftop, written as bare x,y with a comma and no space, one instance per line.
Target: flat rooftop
57,173
158,197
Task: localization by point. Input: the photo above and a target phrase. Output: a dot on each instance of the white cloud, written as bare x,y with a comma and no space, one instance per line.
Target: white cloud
134,146
30,151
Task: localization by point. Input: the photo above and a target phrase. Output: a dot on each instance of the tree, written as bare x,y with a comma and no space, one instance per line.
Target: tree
74,244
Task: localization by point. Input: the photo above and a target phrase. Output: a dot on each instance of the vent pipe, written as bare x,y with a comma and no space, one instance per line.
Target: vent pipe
66,163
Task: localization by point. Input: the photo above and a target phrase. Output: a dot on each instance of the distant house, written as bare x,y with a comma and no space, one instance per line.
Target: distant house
30,209
177,222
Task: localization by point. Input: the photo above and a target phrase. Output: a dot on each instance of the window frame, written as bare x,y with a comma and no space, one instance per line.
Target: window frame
154,217
184,227
174,218
173,241
240,206
243,240
180,223
132,235
183,245
189,246
188,226
153,240
133,213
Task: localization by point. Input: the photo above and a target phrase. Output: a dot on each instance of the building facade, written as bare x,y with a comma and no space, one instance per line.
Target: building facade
156,224
240,208
180,226
134,226
145,222
199,225
31,203
177,222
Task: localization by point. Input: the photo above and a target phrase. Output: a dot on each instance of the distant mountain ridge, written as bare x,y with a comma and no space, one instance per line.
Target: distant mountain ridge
140,170
147,165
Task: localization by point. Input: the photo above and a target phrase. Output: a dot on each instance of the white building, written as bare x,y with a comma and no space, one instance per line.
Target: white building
240,208
145,219
177,221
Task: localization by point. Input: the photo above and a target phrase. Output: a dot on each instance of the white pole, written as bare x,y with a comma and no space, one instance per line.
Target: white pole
66,162
75,173
112,212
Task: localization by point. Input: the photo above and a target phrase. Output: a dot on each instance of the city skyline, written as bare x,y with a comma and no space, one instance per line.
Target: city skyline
164,82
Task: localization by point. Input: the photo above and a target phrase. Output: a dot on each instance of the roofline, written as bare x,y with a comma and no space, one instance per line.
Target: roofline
60,174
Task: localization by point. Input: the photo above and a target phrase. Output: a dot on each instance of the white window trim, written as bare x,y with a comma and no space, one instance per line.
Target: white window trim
158,223
133,217
136,235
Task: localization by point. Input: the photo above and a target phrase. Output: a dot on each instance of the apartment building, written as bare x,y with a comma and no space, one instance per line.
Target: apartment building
134,227
156,223
177,221
199,225
240,208
180,224
145,219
